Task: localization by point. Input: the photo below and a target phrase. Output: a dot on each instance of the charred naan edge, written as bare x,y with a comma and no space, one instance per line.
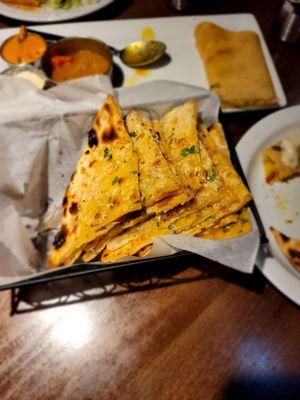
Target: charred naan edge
157,181
289,246
275,169
235,66
104,187
228,198
231,226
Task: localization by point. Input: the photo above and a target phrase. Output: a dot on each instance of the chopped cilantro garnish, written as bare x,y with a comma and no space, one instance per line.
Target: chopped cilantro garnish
115,180
193,149
132,134
185,151
214,86
212,176
106,154
189,150
170,227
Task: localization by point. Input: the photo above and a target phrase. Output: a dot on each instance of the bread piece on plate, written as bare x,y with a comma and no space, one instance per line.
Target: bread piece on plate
25,3
235,66
281,161
289,246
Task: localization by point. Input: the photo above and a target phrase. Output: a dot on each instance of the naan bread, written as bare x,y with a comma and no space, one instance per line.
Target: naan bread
162,188
231,226
289,246
180,144
235,66
281,161
190,219
104,187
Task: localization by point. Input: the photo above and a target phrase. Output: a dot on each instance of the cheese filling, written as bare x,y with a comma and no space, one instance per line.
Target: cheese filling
289,153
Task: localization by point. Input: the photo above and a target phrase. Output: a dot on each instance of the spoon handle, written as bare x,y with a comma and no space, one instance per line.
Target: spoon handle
115,52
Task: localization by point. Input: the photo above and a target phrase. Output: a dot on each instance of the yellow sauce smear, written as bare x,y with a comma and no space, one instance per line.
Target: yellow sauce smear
26,51
77,65
141,72
147,33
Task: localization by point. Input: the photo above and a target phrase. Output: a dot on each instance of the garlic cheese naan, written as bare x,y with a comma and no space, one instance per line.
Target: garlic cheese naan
104,187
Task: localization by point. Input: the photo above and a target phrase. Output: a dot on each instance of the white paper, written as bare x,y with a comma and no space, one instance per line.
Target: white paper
42,134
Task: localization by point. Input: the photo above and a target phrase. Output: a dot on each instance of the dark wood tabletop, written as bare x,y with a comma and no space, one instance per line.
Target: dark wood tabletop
182,330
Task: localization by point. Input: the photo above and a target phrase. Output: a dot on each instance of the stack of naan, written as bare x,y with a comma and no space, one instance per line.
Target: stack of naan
138,179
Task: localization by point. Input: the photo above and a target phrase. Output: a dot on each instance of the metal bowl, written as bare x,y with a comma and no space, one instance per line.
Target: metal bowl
69,46
21,63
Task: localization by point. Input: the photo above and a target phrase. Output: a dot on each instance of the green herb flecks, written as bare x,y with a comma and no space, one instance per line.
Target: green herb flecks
189,150
214,86
211,176
171,227
132,134
134,172
115,180
106,154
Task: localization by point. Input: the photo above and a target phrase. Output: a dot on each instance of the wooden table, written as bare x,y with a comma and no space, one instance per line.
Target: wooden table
188,330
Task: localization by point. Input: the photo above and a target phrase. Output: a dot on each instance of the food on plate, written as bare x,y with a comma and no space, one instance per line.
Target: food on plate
24,48
76,57
32,5
289,246
29,73
233,225
23,3
281,161
104,188
80,63
161,189
235,66
143,179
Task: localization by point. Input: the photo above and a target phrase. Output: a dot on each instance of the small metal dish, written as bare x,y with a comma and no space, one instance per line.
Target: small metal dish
30,73
5,43
69,46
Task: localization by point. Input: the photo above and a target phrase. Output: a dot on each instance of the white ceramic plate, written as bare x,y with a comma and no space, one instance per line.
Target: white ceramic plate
278,204
177,32
49,14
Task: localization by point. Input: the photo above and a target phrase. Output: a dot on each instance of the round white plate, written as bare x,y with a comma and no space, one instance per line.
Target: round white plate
278,204
52,15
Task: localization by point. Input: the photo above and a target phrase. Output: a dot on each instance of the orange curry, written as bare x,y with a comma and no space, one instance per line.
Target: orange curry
79,64
23,48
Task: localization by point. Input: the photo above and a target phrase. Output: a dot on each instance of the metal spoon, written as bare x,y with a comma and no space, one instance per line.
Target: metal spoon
140,54
136,54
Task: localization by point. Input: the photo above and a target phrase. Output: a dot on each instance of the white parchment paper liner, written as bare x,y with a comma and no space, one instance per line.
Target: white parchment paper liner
42,133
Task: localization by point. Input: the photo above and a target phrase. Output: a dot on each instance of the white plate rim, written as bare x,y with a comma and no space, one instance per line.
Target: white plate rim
285,280
55,15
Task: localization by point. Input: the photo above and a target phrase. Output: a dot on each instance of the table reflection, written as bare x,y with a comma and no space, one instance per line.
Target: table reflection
71,327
